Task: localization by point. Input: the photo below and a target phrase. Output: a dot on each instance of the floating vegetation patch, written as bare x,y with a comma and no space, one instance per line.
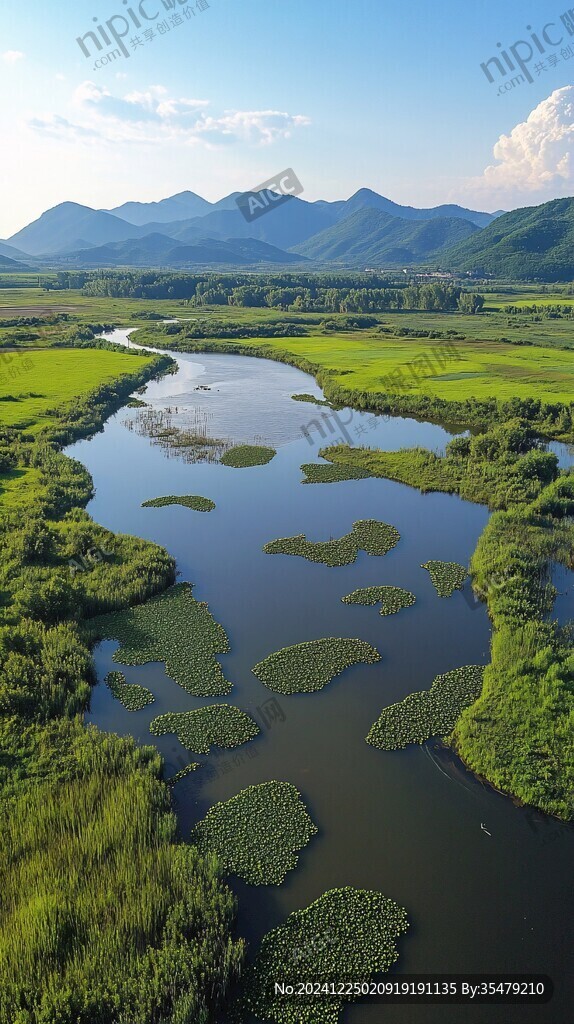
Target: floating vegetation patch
194,501
446,576
392,599
331,473
428,713
187,770
307,667
370,535
136,403
173,628
218,725
311,398
347,934
245,455
180,433
133,696
258,834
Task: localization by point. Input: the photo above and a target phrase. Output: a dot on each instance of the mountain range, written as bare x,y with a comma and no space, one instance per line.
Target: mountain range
366,230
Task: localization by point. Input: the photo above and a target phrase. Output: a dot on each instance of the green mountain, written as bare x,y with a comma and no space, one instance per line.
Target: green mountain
535,243
157,250
371,236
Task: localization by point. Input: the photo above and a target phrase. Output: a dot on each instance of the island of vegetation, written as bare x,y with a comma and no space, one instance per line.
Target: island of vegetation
133,696
446,576
193,501
428,713
345,934
258,834
245,455
307,667
369,535
174,628
220,725
391,599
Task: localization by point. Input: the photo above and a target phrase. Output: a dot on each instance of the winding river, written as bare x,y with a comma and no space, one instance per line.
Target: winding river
407,823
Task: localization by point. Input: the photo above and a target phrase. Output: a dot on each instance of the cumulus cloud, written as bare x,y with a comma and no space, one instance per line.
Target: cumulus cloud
11,56
535,162
154,115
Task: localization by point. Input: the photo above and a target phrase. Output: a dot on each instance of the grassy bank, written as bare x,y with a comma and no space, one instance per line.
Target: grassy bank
104,914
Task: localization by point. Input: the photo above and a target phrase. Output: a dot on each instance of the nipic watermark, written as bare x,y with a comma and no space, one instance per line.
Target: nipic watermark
518,58
130,31
269,195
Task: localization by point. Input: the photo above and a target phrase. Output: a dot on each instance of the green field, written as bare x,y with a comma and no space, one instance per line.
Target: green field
451,371
34,383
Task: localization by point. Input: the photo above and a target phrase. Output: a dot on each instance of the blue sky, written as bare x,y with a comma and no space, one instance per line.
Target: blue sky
349,94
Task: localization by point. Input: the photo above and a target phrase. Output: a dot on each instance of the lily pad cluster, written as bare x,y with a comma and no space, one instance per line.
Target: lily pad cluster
186,770
331,473
346,935
258,834
244,455
173,628
428,713
307,667
220,725
133,696
446,576
392,599
370,535
193,501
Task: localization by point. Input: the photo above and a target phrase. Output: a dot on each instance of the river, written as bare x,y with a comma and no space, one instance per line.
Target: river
407,823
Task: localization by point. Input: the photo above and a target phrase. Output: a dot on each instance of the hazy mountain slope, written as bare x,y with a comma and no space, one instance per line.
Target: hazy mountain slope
61,227
371,236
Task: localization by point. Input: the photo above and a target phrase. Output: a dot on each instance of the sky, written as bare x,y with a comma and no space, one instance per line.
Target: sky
221,95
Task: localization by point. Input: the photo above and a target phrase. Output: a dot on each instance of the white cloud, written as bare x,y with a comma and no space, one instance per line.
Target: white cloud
535,162
11,56
153,115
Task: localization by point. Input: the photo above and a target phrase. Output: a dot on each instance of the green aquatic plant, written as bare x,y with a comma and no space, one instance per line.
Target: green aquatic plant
310,398
307,667
428,713
193,501
245,455
220,725
446,576
331,473
258,834
133,696
392,599
346,935
187,770
173,628
370,535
